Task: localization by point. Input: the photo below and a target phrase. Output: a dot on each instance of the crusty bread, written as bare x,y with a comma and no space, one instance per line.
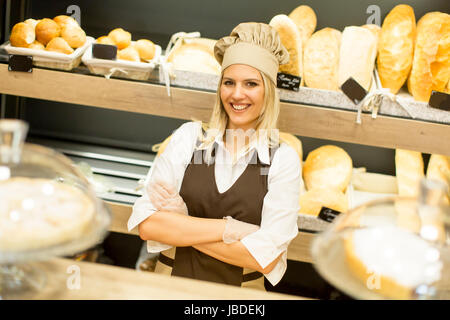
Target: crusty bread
375,29
36,45
58,44
129,53
195,56
22,35
121,38
327,166
105,40
396,47
63,20
305,19
321,59
431,64
313,200
46,30
439,169
291,40
32,22
357,56
74,35
409,171
146,49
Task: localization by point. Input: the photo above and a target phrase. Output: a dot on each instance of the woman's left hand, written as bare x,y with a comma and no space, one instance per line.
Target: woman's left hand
165,197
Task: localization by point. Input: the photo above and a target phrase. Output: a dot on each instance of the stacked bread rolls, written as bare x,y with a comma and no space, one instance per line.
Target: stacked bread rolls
60,34
142,50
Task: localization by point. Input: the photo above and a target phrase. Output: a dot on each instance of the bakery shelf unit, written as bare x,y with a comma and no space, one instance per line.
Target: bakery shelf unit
151,98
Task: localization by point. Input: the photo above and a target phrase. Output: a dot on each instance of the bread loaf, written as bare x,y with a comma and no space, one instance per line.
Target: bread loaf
305,19
197,57
121,38
313,200
439,169
327,166
294,142
409,171
22,35
58,44
357,56
291,40
74,35
321,59
396,47
46,30
376,31
431,64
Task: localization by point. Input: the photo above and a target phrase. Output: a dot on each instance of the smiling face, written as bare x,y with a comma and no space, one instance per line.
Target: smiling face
242,95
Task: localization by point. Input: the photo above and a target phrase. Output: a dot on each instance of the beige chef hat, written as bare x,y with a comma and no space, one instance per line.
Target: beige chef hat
255,44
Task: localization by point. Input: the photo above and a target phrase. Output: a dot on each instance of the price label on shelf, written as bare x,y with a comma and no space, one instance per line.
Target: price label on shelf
104,51
353,90
20,63
288,81
439,100
328,214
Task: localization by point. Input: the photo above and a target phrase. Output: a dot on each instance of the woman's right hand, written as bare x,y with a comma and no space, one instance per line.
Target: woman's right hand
165,197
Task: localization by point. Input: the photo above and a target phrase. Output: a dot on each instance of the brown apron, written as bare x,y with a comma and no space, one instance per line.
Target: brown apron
242,201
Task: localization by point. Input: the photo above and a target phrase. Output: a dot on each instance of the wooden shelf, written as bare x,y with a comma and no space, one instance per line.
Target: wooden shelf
298,119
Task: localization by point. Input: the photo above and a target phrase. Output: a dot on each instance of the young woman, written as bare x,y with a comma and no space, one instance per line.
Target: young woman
227,198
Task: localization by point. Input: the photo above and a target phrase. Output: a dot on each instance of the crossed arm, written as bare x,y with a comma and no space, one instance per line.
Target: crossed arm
203,234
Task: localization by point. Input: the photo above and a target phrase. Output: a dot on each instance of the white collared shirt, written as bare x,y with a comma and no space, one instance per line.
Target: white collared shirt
281,203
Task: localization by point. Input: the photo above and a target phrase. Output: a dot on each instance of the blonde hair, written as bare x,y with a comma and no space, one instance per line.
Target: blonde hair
266,124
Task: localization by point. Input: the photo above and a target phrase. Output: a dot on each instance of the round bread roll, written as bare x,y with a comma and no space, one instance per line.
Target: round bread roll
58,44
46,30
196,57
327,166
292,41
321,59
22,35
32,22
105,40
146,49
74,35
396,47
431,64
130,54
313,200
305,19
121,38
36,45
63,20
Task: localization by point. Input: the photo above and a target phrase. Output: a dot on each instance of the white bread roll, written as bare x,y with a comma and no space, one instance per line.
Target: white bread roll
63,20
74,35
46,30
58,44
321,59
197,57
357,56
291,40
22,35
129,53
396,47
327,166
431,64
439,169
313,200
305,19
105,40
121,38
146,49
409,171
36,45
32,22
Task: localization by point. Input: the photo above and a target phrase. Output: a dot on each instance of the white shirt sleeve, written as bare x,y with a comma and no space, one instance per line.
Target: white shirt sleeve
279,213
168,167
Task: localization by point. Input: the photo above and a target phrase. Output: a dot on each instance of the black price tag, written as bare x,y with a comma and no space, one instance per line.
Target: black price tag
288,81
353,90
440,100
104,51
328,214
20,63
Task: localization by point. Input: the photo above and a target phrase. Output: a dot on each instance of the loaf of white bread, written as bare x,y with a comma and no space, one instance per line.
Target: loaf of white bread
321,59
312,201
292,41
409,170
194,55
396,47
306,20
439,169
391,261
357,56
431,63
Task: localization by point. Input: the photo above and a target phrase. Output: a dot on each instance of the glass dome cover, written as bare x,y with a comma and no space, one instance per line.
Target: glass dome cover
47,207
392,248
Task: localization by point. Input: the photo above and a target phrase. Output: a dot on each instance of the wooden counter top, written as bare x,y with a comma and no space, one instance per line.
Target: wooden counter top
105,282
